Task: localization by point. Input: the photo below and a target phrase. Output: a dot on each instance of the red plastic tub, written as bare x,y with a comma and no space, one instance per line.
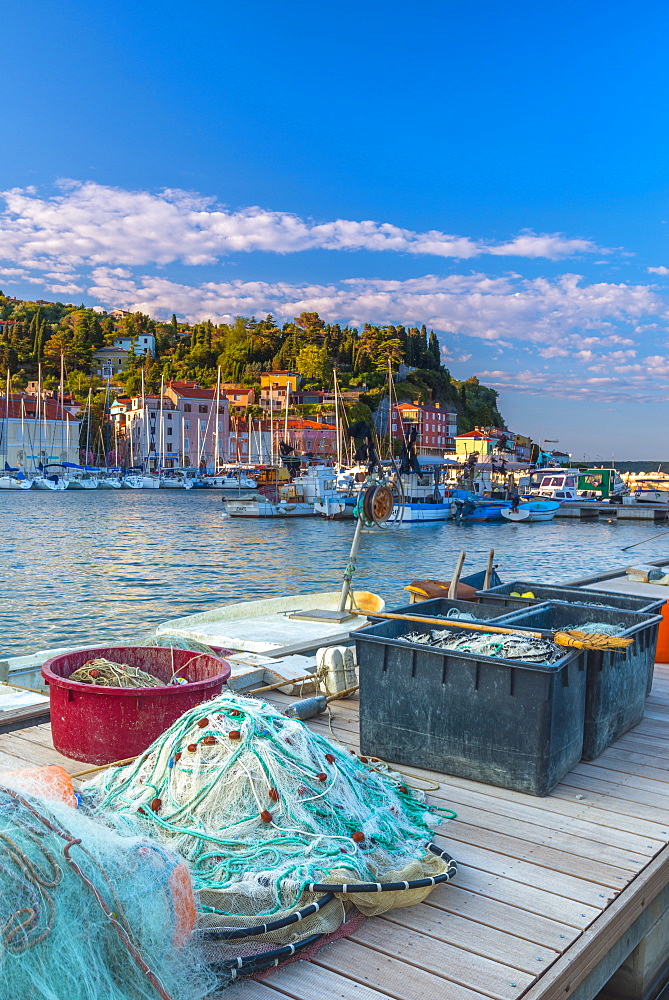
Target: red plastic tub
104,724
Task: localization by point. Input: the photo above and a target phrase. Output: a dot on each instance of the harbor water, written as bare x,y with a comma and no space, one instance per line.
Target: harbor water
92,566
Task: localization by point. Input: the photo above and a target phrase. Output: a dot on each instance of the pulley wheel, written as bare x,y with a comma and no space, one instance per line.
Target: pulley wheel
378,503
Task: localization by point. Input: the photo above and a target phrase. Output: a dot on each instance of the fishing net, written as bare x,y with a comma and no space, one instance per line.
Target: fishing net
86,913
596,628
507,647
106,673
280,826
169,641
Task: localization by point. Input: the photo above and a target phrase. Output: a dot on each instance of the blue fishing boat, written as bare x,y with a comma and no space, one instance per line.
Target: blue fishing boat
468,506
532,510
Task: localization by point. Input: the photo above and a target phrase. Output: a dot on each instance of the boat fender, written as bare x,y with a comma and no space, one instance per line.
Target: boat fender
334,668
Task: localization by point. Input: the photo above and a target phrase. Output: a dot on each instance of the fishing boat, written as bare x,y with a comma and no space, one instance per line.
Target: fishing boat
531,510
268,625
467,506
295,499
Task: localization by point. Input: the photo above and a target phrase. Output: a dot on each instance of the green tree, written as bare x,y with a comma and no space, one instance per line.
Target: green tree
313,364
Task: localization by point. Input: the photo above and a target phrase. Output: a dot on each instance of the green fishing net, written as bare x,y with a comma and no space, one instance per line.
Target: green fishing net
87,914
267,812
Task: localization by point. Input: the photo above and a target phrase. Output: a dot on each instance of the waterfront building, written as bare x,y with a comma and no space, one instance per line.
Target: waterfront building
436,427
180,430
38,430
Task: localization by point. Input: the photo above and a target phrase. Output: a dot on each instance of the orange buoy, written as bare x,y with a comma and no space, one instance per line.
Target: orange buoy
51,782
266,816
183,901
234,734
203,723
358,837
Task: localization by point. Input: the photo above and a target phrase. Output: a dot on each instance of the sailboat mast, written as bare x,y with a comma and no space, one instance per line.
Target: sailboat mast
61,390
161,438
145,450
38,411
183,442
88,426
336,395
285,424
271,427
217,457
7,419
23,430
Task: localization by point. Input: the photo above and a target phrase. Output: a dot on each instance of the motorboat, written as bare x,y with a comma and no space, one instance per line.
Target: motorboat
109,482
531,510
578,491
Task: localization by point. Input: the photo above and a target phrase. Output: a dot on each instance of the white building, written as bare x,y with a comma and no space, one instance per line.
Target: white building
144,344
34,431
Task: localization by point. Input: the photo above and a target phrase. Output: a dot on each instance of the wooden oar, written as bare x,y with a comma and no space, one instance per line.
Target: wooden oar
578,640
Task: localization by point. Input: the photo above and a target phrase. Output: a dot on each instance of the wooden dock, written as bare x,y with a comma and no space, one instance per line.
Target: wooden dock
552,896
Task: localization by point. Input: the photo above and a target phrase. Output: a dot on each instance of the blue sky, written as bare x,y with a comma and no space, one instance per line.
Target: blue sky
496,171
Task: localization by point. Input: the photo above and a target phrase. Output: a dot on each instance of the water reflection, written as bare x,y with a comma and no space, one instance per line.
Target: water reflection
79,567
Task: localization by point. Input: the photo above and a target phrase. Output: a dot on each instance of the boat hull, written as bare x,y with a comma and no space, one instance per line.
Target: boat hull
265,508
48,486
9,483
415,513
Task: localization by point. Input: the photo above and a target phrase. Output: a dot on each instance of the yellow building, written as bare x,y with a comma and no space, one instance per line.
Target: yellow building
283,379
477,441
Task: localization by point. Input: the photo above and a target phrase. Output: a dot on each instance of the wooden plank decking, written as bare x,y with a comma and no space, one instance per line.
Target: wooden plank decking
546,888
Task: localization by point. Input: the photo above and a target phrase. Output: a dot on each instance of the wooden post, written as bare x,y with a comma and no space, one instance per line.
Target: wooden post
453,588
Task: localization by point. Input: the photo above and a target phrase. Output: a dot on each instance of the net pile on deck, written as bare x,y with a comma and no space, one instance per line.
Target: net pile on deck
86,913
280,827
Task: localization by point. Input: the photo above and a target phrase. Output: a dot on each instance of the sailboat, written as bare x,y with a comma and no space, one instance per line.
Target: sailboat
14,478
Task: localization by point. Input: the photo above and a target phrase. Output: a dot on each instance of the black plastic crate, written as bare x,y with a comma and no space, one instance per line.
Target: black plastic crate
508,723
440,606
572,595
617,680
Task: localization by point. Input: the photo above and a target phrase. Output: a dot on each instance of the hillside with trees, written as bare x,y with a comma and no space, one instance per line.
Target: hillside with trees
39,334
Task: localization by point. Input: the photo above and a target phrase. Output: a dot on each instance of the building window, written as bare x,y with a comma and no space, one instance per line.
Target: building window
187,425
169,432
186,407
202,409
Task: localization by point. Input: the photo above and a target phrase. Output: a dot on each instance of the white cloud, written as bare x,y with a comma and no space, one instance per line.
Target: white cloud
658,270
93,224
562,316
